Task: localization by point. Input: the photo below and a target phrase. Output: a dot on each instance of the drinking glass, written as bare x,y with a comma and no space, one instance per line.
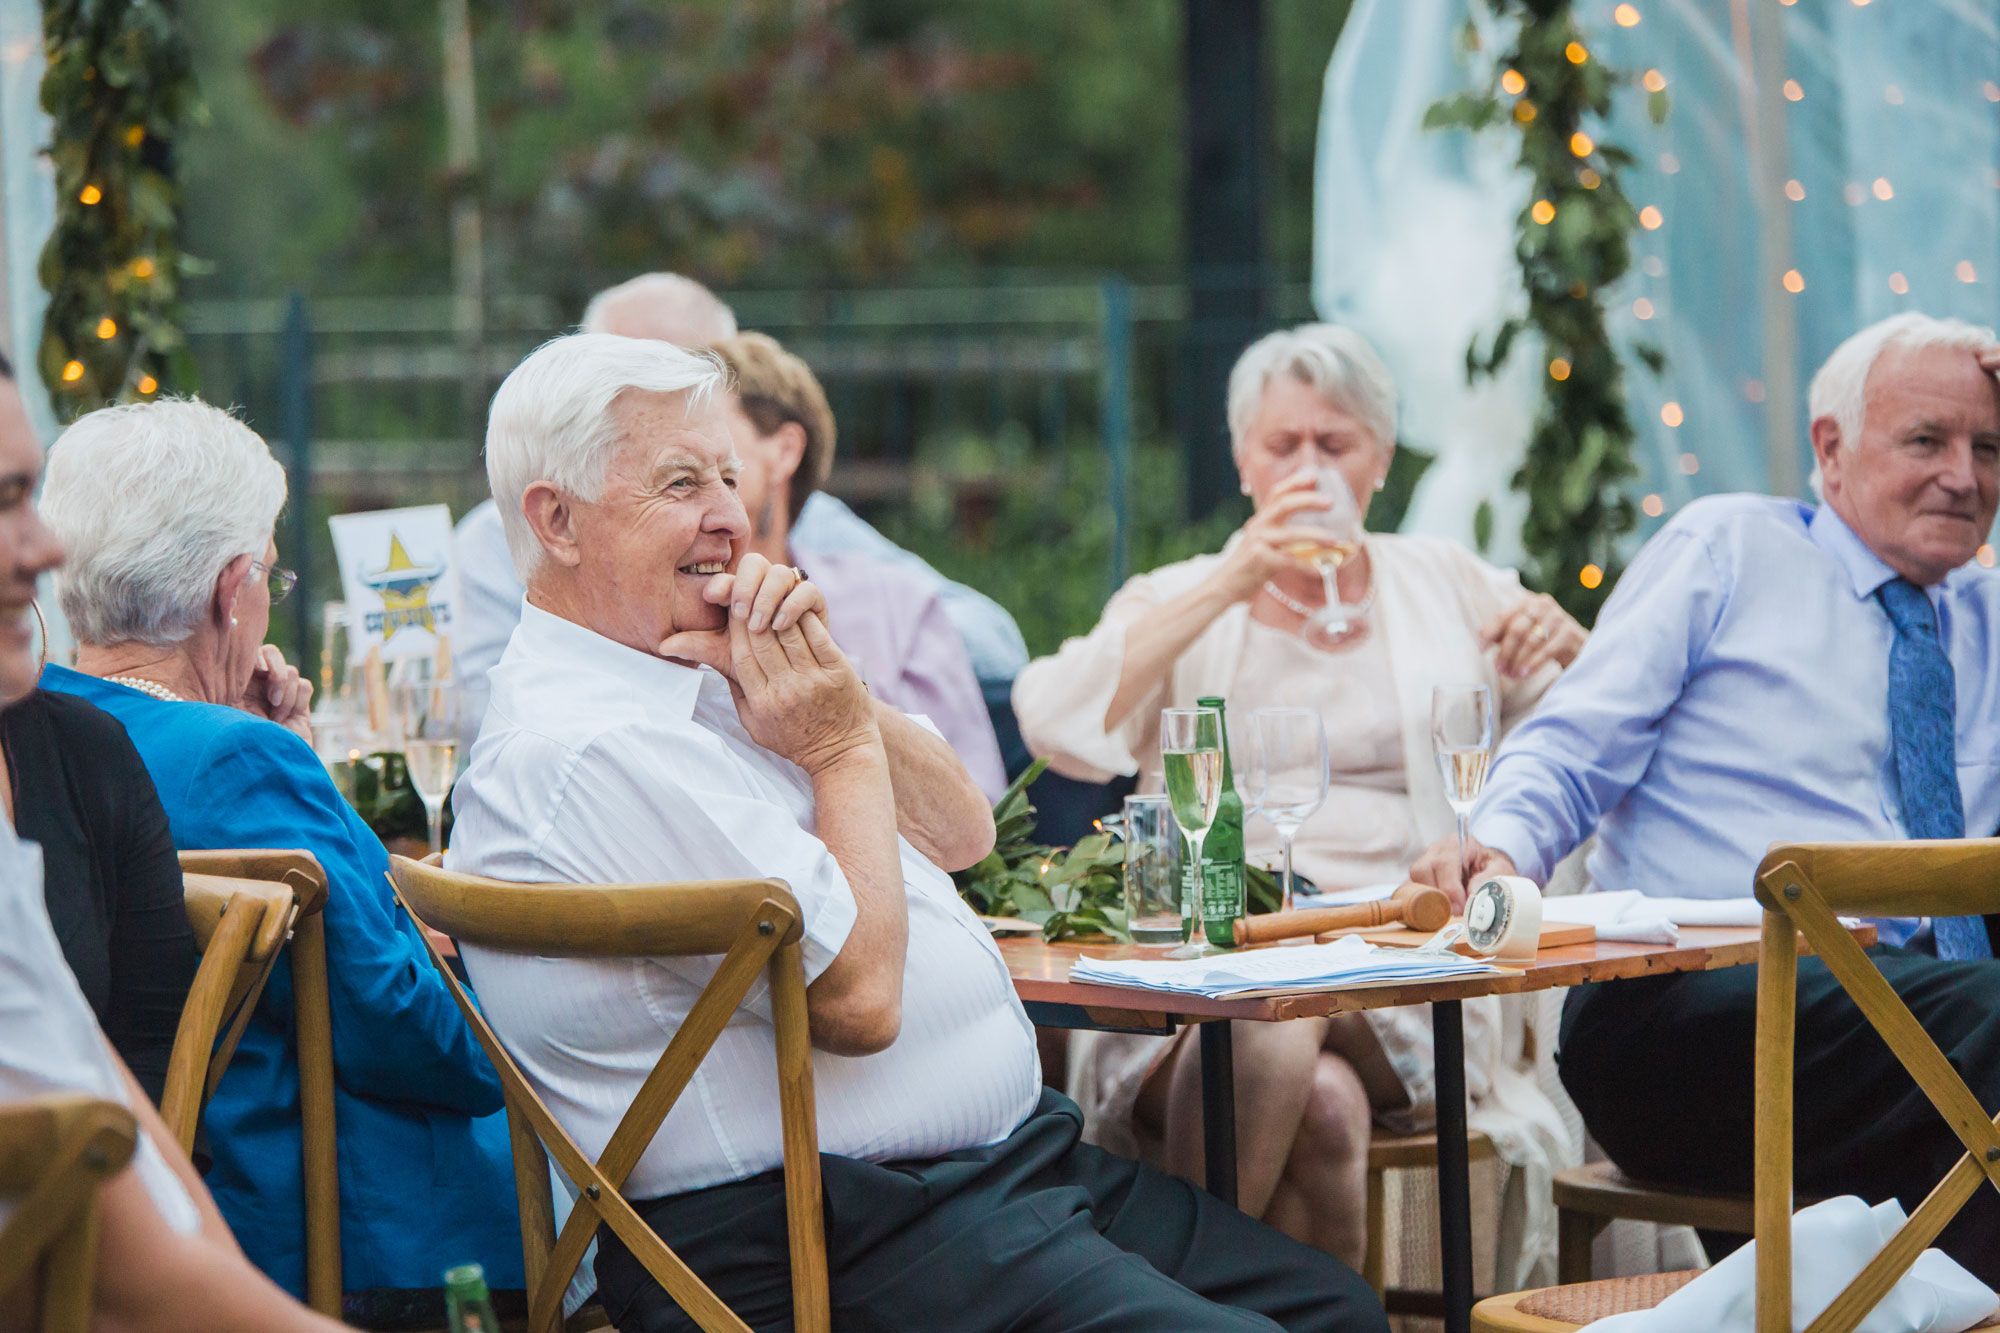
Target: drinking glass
425,707
1337,540
1462,740
1191,754
1288,774
1152,870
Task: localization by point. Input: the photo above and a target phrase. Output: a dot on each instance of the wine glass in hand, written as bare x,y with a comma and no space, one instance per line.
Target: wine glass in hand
1462,740
425,706
1288,774
1191,754
1336,539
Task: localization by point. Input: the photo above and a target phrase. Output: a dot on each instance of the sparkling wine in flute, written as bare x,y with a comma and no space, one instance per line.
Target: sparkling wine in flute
432,765
1194,786
1323,554
1464,774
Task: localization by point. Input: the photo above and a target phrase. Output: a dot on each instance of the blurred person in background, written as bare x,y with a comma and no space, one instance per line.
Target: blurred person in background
167,510
162,1249
893,627
677,309
1239,624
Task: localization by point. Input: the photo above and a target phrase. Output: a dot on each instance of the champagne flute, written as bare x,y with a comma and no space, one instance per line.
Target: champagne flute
1337,540
425,704
1288,774
1191,754
1462,740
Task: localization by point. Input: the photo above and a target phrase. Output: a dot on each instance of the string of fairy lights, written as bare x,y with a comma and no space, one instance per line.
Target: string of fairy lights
1906,284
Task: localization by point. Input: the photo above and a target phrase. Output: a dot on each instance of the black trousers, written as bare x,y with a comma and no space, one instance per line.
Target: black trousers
1039,1232
1661,1068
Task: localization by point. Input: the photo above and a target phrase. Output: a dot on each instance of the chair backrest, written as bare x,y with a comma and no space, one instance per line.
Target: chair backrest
756,926
55,1152
312,1013
239,925
1803,887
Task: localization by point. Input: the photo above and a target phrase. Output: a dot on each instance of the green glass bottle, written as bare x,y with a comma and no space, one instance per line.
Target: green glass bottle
1222,901
466,1304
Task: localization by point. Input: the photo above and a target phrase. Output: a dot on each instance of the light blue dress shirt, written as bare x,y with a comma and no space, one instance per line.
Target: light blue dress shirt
1735,694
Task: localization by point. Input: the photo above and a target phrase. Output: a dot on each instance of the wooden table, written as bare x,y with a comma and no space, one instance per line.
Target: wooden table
1041,979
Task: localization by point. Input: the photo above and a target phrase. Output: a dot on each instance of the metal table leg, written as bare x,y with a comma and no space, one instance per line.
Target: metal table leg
1454,1168
1218,1110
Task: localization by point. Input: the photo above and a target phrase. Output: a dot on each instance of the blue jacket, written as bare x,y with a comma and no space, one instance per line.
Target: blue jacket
426,1176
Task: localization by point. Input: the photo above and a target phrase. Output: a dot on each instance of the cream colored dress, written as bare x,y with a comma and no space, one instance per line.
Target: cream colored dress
1385,804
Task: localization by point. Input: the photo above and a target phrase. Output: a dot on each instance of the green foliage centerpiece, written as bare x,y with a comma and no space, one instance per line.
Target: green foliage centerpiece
119,87
1066,891
1573,244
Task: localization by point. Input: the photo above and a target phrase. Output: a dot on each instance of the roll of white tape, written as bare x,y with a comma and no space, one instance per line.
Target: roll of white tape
1503,919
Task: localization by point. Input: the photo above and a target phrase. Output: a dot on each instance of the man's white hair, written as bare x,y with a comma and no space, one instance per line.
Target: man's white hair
1336,361
551,419
666,306
1840,387
153,501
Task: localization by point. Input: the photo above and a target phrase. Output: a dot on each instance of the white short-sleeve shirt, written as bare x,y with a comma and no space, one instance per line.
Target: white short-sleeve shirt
602,764
49,1040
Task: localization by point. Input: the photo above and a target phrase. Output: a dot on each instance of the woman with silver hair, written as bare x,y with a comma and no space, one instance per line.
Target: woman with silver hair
1251,622
168,511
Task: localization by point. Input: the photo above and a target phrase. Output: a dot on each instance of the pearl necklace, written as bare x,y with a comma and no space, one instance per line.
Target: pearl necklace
1354,610
154,688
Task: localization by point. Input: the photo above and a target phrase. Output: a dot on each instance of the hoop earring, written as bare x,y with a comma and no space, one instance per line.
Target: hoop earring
42,624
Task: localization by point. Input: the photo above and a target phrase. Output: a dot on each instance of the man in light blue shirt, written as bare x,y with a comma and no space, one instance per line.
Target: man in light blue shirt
1769,671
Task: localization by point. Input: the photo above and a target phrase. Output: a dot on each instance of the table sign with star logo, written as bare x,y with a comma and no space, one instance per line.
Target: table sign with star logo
396,572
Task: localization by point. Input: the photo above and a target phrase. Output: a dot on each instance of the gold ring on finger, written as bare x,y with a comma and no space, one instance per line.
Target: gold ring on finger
1541,634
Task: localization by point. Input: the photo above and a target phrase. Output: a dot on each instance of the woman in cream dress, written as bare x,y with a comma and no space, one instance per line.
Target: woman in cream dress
1235,624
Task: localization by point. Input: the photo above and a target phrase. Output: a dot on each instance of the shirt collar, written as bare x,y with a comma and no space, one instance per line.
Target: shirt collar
546,637
1864,569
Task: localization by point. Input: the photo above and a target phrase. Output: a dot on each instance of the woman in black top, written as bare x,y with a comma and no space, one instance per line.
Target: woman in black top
111,878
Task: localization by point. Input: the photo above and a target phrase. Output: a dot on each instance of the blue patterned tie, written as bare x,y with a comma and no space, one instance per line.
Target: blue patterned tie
1923,730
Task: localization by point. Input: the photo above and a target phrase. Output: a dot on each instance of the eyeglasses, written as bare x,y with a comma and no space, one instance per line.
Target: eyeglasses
282,580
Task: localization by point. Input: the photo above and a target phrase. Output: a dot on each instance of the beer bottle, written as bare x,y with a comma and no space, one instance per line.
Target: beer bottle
467,1307
1222,900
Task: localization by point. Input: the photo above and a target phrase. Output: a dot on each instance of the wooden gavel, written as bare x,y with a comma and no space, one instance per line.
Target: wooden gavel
1413,905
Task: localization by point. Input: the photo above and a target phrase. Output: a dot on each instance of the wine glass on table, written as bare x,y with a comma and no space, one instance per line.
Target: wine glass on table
1335,539
1288,774
425,704
1191,754
1462,740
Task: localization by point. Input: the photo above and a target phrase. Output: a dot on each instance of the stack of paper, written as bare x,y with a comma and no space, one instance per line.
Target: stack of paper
1350,961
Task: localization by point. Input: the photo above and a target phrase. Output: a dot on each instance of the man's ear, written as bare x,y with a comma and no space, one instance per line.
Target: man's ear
228,588
551,517
1827,450
789,445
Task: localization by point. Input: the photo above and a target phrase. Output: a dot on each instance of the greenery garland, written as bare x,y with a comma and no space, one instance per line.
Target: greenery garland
119,87
1573,244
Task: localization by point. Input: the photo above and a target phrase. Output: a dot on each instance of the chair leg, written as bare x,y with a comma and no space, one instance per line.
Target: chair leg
69,1274
1374,1262
312,1012
1575,1233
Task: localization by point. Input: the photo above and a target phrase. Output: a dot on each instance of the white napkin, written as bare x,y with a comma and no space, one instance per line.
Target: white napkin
1831,1243
1630,915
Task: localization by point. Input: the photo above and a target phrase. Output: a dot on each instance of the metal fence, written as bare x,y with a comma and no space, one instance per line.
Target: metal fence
374,403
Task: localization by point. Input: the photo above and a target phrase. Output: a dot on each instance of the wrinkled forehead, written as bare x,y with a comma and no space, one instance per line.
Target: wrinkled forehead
666,429
1939,386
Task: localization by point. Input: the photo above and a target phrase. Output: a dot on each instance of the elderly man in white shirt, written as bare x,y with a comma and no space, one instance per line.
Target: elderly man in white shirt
674,709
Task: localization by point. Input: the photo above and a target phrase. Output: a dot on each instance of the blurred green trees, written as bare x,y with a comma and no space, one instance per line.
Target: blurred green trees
750,142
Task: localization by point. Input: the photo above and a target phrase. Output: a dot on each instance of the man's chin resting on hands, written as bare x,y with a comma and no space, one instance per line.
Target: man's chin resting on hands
672,708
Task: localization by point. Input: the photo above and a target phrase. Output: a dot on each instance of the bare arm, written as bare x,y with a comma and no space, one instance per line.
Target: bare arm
799,697
1155,641
939,808
150,1276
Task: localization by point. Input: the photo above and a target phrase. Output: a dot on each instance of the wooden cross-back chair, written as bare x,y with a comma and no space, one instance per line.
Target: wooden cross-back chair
1804,889
243,905
55,1154
756,926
